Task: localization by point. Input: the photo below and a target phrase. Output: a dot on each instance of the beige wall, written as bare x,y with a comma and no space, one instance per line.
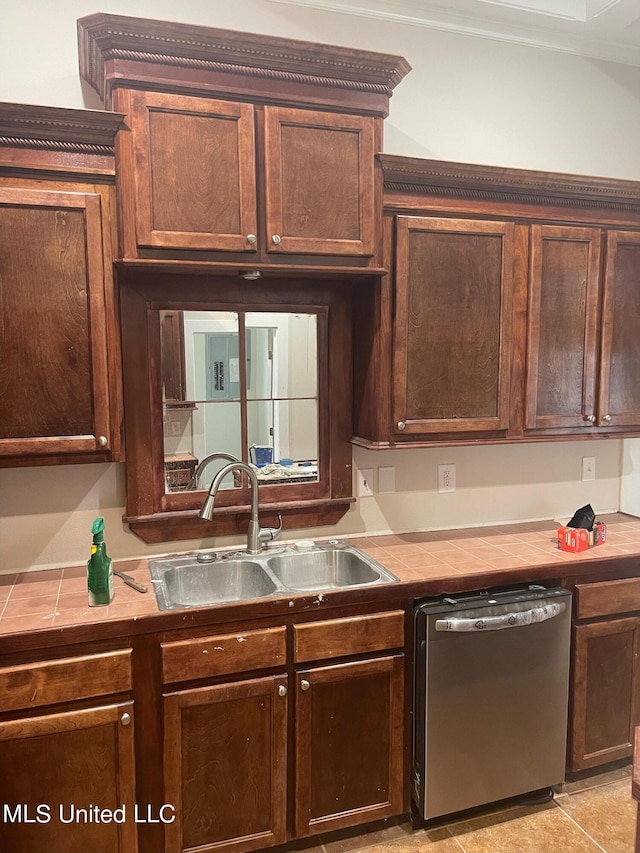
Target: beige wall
467,99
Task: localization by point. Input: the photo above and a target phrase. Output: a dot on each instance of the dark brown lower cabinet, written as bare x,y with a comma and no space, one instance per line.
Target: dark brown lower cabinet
348,743
605,691
227,769
225,765
56,768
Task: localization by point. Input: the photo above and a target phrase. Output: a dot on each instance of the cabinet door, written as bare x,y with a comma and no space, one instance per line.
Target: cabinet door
619,403
348,744
452,332
174,381
605,692
319,182
53,371
55,765
225,765
194,172
562,327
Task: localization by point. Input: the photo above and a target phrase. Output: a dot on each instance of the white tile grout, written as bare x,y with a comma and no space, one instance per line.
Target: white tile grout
575,822
456,839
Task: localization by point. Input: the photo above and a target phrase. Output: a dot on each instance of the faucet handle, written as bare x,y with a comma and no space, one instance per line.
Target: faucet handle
270,534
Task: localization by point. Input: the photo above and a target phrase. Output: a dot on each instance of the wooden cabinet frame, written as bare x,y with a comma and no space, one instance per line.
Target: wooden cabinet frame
591,238
89,205
611,410
106,717
273,689
57,176
363,130
585,725
321,750
534,203
156,516
308,681
143,107
268,84
403,424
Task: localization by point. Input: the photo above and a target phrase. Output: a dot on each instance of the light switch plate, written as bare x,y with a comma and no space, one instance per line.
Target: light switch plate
386,480
588,467
365,482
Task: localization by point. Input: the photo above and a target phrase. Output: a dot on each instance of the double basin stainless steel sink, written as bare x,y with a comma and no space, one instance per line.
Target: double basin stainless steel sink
207,579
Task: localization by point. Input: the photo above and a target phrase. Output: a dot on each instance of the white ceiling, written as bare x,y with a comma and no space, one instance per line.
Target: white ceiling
601,29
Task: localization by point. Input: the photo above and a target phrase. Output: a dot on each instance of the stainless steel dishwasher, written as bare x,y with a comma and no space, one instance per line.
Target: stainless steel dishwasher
491,685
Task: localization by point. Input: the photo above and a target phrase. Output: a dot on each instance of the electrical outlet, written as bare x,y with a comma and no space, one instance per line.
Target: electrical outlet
588,467
174,427
447,478
365,482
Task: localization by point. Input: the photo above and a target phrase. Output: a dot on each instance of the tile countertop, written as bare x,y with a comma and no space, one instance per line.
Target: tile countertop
428,563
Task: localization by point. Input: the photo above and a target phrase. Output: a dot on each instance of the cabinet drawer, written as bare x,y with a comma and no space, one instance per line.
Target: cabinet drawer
184,660
65,680
350,636
609,598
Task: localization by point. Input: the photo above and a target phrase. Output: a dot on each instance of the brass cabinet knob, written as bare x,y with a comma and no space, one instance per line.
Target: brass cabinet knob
401,425
125,719
277,239
282,690
251,238
606,418
304,685
102,440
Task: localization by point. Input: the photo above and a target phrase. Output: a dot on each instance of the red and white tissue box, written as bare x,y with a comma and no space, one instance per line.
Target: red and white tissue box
577,539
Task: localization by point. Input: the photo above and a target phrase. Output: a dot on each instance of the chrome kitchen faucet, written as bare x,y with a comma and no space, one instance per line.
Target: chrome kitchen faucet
256,535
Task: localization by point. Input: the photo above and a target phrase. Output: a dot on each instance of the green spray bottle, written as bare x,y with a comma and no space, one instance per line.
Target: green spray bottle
99,572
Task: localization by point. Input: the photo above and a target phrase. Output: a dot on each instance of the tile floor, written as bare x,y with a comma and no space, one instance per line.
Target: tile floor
594,815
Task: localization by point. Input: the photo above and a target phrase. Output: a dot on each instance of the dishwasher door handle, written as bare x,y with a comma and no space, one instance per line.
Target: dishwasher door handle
506,620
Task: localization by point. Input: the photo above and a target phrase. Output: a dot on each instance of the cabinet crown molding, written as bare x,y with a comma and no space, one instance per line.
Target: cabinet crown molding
470,181
55,128
105,39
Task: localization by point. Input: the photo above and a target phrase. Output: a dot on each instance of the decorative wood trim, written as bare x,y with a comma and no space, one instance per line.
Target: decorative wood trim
469,181
338,273
228,521
233,68
83,131
111,39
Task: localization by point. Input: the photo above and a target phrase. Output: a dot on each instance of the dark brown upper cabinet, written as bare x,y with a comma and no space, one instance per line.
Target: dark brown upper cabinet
452,330
583,330
563,322
511,311
243,156
243,148
320,182
197,183
60,371
619,391
194,172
